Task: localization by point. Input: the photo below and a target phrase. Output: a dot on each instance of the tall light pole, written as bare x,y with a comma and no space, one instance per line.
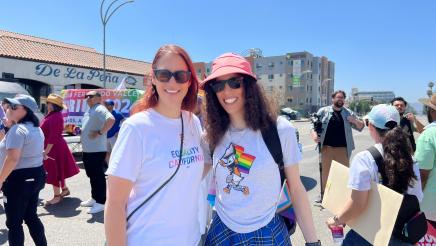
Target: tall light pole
430,89
108,12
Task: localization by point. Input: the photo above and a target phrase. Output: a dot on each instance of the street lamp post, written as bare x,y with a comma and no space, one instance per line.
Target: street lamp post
430,89
104,20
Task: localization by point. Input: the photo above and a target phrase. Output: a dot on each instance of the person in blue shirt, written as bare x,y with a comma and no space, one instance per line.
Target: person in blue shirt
112,134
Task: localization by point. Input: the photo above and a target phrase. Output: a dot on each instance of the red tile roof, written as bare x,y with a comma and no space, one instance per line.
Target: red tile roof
27,47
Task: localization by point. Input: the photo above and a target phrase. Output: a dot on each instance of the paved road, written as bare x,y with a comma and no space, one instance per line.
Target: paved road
69,224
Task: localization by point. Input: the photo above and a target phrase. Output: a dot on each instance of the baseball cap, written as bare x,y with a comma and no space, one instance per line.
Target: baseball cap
109,102
229,63
93,93
384,116
24,100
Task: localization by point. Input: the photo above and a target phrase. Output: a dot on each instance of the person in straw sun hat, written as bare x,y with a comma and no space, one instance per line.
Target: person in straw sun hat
58,160
426,156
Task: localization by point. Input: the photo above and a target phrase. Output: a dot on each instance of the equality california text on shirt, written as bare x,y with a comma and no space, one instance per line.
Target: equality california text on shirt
247,177
29,139
147,153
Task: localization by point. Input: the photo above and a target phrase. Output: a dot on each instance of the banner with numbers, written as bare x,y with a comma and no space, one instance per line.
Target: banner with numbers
76,104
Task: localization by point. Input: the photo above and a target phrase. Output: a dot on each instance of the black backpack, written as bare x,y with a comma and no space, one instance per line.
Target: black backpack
271,138
411,224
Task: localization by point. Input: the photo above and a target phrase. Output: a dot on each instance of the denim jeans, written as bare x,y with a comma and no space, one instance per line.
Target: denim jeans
21,192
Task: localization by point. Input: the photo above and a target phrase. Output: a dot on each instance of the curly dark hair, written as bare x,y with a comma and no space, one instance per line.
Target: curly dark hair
397,159
258,113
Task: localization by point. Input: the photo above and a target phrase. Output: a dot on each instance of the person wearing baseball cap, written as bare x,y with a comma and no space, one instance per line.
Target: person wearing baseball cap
402,173
58,160
426,156
236,111
22,176
112,134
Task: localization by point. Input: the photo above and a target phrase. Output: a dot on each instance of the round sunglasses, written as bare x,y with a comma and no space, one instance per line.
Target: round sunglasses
164,75
234,83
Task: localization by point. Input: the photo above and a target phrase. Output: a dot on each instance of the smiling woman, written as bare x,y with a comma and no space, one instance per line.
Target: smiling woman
160,140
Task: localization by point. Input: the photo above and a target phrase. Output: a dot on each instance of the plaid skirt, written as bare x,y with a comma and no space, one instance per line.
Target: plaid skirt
275,233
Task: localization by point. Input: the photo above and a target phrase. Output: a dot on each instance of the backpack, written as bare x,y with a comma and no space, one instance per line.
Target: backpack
271,138
411,224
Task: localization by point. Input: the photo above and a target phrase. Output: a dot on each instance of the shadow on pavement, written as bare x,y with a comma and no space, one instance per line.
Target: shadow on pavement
309,183
98,217
3,236
65,209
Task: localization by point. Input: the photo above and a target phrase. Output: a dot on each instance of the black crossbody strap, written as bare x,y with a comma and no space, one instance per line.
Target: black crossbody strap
169,179
271,138
380,163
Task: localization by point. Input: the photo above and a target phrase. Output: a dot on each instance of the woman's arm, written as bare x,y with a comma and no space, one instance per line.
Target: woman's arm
115,216
352,209
11,160
301,203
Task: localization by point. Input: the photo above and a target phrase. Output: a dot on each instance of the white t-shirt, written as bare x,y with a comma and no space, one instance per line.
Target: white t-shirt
364,169
248,187
147,153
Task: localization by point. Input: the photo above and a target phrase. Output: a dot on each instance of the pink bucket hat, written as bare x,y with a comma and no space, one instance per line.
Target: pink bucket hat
229,63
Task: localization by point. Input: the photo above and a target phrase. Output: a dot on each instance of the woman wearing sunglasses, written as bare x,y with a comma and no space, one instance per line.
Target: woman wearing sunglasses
247,194
22,176
147,160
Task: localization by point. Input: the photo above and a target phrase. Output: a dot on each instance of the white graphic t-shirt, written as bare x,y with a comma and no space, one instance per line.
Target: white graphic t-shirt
147,153
247,178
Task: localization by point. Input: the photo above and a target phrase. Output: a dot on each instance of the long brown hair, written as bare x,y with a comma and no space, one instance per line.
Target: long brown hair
258,114
151,97
397,159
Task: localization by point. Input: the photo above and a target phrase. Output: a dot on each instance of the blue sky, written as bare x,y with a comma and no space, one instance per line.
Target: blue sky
376,44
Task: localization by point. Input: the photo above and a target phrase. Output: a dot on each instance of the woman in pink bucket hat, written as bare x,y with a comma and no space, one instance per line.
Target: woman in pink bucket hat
246,176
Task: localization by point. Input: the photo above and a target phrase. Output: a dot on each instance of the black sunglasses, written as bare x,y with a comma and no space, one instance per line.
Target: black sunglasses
164,75
234,83
89,96
366,122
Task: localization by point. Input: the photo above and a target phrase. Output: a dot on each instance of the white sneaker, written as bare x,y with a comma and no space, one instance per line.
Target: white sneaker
88,203
97,208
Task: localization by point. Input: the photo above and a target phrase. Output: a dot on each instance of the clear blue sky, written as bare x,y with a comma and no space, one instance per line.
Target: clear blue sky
376,44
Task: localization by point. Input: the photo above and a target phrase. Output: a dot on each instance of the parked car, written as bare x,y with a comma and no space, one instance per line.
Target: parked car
290,113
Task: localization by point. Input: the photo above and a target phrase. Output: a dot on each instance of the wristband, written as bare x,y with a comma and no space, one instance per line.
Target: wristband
314,244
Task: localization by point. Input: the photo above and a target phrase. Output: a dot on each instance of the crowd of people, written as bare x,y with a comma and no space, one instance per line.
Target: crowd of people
175,145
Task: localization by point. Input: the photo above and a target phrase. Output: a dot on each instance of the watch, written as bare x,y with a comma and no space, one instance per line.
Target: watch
99,132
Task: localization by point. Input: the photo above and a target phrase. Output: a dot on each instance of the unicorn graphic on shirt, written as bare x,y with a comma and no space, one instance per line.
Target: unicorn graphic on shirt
237,162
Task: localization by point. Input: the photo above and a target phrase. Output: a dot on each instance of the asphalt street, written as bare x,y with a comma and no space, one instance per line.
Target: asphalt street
67,223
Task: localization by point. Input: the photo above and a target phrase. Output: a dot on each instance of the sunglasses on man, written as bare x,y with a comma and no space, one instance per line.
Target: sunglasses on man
234,83
164,75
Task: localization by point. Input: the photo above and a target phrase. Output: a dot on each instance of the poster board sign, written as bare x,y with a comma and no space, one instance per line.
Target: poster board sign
377,221
76,104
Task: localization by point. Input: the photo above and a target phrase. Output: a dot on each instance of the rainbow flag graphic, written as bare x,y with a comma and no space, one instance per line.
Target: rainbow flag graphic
244,160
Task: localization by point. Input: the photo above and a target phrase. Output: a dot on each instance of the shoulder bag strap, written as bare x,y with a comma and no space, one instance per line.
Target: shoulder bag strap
271,138
380,164
169,179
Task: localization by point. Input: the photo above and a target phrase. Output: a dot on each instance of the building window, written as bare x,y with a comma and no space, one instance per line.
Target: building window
290,88
281,75
290,62
271,65
280,87
207,70
281,63
258,66
290,75
270,76
310,100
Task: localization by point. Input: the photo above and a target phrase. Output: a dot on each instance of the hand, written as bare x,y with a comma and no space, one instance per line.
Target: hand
2,134
332,222
45,155
352,119
411,117
93,134
315,137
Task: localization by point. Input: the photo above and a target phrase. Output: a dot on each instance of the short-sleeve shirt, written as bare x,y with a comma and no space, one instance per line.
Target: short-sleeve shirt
363,170
147,153
426,156
335,133
247,179
29,139
93,120
116,127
